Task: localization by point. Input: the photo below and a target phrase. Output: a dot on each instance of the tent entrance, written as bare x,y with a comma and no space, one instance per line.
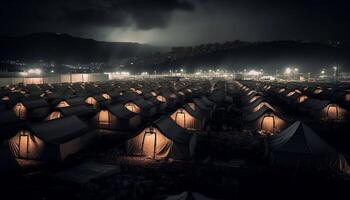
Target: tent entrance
180,118
104,118
149,143
332,112
23,145
268,124
20,110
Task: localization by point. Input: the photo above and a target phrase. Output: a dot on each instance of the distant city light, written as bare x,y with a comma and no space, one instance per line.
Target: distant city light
34,71
254,73
144,73
288,70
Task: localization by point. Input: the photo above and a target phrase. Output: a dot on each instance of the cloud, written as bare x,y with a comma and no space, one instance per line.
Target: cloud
22,15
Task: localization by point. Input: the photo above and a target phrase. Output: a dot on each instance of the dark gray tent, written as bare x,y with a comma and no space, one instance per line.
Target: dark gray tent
299,145
299,139
51,140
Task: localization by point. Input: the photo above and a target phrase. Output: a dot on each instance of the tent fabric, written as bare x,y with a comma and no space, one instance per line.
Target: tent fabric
9,123
8,163
60,130
31,104
173,131
120,111
255,115
79,111
51,140
172,141
299,139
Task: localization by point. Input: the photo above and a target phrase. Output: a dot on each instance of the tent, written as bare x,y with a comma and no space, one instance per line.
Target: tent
163,139
264,119
51,140
145,108
188,118
117,117
300,145
96,101
31,109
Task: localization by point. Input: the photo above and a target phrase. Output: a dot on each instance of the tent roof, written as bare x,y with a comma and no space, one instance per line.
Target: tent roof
76,110
251,116
121,111
171,130
194,113
142,103
315,104
37,103
299,139
60,130
8,117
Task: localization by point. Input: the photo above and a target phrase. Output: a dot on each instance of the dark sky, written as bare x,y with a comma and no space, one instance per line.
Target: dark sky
180,22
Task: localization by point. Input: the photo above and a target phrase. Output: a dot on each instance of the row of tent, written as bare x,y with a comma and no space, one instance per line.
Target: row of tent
296,145
66,132
258,114
321,110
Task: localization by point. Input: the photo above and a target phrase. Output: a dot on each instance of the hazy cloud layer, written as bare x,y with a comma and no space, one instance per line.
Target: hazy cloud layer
180,22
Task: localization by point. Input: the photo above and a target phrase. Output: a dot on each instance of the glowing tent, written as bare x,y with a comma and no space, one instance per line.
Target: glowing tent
51,140
31,109
188,118
117,117
163,139
265,120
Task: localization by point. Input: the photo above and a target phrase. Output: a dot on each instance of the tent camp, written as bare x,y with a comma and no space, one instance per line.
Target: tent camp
163,139
51,140
300,145
117,117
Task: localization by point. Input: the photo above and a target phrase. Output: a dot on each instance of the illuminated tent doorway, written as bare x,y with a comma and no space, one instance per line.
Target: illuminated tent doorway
164,139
